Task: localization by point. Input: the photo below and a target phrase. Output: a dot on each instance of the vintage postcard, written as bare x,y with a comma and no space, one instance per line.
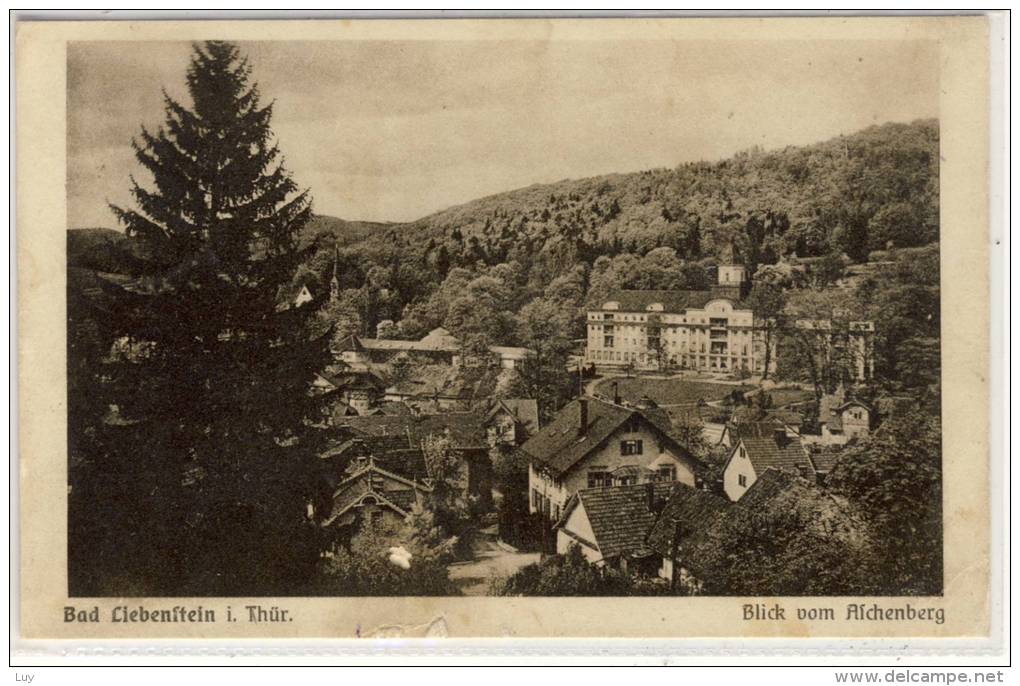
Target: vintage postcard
643,328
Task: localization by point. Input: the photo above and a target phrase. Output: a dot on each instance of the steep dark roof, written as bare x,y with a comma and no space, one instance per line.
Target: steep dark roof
465,429
765,453
408,463
620,516
356,378
524,410
560,445
823,460
694,510
671,301
392,408
370,481
764,429
780,491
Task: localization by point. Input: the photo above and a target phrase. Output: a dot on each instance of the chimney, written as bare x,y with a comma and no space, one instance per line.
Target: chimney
655,503
582,425
781,437
616,393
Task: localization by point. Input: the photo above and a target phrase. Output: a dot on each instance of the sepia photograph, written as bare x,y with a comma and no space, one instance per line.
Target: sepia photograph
503,318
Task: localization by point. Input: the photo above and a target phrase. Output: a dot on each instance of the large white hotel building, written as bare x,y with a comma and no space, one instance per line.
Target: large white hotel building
711,330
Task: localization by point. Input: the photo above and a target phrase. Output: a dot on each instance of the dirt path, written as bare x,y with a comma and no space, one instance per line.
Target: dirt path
489,560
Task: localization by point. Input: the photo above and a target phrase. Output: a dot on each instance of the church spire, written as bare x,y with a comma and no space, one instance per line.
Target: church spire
334,283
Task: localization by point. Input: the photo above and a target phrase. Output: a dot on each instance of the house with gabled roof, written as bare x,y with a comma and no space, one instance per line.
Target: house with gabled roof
841,418
511,421
846,422
437,346
732,432
823,459
594,443
688,512
360,389
610,524
405,437
373,497
756,452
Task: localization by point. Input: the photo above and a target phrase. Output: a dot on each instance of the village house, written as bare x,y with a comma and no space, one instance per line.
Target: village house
610,524
295,297
438,346
841,419
359,389
437,387
594,443
732,432
760,448
823,459
398,442
511,421
372,497
687,512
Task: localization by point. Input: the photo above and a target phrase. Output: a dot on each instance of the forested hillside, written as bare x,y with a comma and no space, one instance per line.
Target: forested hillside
851,195
486,268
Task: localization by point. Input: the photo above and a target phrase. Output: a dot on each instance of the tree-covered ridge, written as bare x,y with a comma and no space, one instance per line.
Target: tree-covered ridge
879,185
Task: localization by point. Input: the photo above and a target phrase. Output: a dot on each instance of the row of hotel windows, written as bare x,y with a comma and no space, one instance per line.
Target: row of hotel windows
715,321
717,347
699,361
672,332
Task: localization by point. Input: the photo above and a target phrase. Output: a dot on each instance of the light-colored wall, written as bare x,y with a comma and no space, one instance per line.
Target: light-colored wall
731,275
548,487
578,524
666,569
738,465
686,337
852,426
502,429
608,458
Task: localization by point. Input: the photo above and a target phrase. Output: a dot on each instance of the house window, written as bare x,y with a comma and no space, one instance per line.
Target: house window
376,518
666,473
742,479
629,480
599,478
630,447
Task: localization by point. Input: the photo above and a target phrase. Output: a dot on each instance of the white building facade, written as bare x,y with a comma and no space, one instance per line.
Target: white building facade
708,330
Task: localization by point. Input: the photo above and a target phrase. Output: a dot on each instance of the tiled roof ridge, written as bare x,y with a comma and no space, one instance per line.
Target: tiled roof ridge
372,466
370,492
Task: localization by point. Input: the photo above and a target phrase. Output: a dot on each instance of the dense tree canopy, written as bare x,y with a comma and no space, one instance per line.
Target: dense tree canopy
197,484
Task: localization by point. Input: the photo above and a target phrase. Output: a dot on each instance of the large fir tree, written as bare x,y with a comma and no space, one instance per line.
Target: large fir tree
213,431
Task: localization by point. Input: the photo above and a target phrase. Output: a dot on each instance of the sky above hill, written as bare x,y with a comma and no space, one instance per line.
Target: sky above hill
396,130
